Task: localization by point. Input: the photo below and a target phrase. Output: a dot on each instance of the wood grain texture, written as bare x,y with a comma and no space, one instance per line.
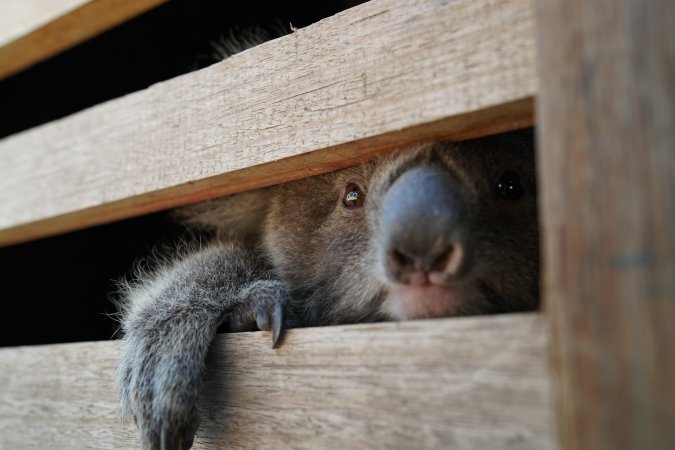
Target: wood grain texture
606,116
383,74
22,17
34,30
468,383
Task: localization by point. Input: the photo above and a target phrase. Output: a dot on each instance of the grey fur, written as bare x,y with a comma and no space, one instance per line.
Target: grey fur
295,248
237,40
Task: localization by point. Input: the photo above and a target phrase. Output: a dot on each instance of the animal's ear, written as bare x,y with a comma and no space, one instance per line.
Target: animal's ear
240,216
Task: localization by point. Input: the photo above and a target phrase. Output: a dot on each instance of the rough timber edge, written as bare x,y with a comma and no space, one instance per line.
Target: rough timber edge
516,115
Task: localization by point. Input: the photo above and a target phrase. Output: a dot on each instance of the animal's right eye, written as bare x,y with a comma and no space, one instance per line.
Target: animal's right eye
509,187
353,197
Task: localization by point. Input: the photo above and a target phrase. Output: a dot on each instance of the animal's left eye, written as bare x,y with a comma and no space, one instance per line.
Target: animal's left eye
353,196
509,186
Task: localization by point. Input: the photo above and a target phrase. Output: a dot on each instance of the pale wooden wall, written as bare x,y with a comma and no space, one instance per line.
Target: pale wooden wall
389,73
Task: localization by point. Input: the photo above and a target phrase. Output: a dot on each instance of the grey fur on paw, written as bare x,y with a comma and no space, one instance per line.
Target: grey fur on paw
160,387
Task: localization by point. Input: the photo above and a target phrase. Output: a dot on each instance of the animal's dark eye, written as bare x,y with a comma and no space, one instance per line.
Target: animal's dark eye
509,187
353,197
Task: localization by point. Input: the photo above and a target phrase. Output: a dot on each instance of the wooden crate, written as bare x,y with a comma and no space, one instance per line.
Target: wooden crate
381,75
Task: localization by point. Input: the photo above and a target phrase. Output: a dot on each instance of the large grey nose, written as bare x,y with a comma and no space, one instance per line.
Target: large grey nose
424,221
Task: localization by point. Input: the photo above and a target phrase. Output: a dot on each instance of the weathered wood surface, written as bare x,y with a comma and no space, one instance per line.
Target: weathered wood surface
606,118
383,74
471,383
34,30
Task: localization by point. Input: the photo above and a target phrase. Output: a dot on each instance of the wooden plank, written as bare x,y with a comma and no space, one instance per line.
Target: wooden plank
34,30
20,18
466,383
607,160
386,73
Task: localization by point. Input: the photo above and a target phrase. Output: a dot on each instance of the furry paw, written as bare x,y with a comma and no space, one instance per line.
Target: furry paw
160,378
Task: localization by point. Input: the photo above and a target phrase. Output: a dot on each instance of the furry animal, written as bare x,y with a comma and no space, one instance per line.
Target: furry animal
440,229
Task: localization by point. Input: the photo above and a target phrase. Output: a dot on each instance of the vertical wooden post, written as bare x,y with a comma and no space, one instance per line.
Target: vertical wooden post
606,116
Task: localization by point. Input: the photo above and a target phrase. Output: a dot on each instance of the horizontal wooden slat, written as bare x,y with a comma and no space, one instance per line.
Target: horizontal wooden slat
470,383
34,30
386,73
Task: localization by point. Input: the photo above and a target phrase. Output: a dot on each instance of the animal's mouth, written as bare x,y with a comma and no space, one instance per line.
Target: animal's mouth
424,301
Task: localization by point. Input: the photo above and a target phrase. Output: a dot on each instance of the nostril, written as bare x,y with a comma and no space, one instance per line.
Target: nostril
405,269
398,261
450,261
439,263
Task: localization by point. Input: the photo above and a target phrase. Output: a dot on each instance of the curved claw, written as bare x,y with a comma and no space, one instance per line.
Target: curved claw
277,323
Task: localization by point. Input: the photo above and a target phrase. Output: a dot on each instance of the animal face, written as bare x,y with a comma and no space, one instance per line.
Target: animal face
442,229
